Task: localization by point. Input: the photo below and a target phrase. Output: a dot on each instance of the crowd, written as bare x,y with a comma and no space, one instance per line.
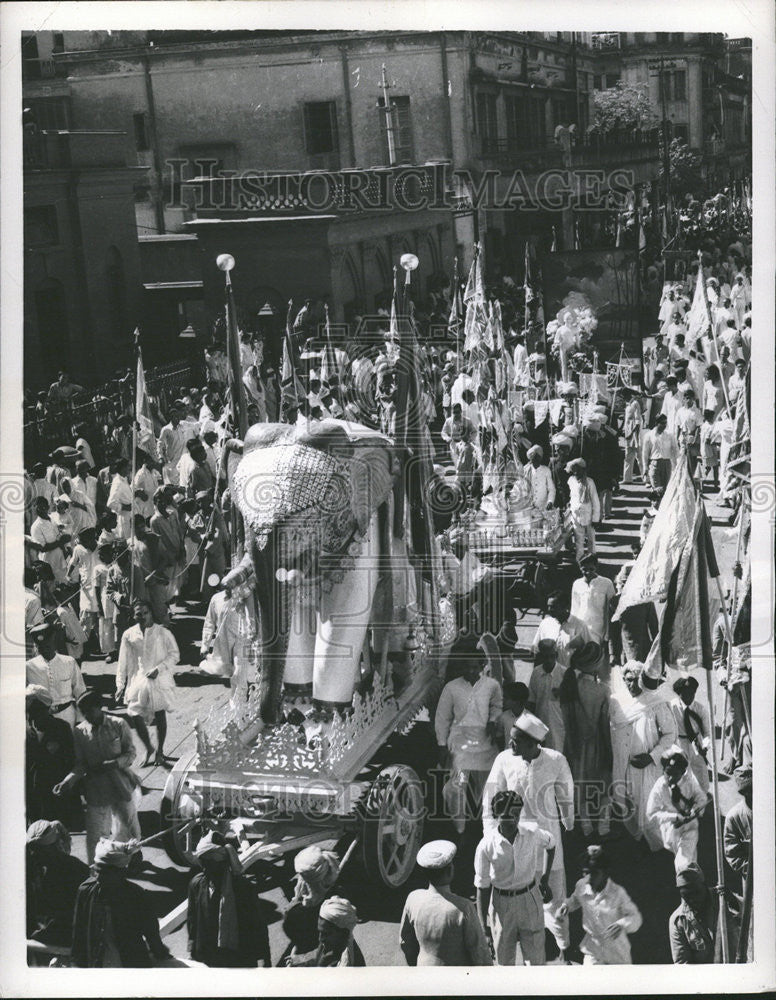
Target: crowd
596,739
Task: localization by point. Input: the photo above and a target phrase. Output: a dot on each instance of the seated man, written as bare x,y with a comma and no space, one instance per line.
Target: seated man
336,946
53,878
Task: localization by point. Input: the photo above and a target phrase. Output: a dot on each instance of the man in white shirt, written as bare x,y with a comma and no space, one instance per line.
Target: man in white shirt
584,506
506,864
543,687
60,675
120,498
84,560
85,483
172,442
465,725
659,453
591,600
671,403
737,381
688,423
692,723
567,634
675,805
49,541
540,479
543,779
633,422
144,486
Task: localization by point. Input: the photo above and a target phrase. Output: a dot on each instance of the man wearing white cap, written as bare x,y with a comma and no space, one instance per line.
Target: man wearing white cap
437,926
509,894
540,479
584,506
632,425
675,804
543,779
643,728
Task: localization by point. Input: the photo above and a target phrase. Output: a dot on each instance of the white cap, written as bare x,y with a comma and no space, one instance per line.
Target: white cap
531,725
535,450
436,854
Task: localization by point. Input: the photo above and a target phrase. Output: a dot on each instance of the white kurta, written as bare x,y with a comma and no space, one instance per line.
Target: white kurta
462,714
590,605
681,841
85,562
145,480
599,911
44,532
542,486
547,789
644,724
543,696
119,496
551,628
61,677
140,653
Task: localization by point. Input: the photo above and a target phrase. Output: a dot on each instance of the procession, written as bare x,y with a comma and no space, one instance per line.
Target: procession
421,639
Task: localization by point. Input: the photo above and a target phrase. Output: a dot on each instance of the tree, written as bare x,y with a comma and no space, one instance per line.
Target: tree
624,106
685,169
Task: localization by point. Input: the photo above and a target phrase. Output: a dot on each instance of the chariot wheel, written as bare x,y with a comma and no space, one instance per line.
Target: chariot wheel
180,805
392,825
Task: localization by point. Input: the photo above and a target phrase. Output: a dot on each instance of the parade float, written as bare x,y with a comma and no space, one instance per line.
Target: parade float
341,640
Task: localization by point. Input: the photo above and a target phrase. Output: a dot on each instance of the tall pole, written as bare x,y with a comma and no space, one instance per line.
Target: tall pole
713,333
134,473
666,157
388,119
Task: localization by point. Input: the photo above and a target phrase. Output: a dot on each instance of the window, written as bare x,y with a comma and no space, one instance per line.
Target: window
140,123
664,85
320,127
59,42
526,124
680,85
402,129
612,79
487,123
51,113
681,132
597,81
40,226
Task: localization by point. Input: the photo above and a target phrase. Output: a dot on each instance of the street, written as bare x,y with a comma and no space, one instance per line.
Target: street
648,878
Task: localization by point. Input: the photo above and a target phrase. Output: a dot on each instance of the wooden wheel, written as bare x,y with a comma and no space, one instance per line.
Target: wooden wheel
392,825
180,804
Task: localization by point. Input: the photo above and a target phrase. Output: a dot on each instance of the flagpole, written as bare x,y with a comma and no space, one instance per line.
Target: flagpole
703,570
134,473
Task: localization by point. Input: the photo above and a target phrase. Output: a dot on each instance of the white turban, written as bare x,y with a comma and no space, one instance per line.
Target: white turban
113,853
340,912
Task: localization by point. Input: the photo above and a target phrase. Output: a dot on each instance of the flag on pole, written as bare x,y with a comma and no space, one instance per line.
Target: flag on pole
739,463
455,320
698,317
146,439
329,365
650,577
292,392
642,237
476,331
577,245
684,639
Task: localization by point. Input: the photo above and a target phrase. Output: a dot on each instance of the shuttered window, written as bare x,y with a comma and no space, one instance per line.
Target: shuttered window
320,127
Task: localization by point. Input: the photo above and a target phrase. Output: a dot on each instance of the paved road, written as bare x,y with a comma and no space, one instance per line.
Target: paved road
648,877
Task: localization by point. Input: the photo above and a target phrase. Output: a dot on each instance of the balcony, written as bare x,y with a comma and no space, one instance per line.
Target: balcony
61,150
619,146
511,154
41,69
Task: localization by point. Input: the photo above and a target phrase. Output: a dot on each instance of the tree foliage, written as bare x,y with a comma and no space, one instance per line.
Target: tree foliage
624,106
685,168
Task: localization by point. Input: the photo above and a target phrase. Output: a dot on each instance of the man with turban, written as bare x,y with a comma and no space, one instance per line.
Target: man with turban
336,946
643,728
224,921
437,926
53,878
675,805
114,924
316,873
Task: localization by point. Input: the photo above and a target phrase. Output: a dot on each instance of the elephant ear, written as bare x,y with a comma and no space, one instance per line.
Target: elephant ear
371,481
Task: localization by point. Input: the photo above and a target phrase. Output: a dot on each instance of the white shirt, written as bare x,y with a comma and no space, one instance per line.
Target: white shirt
463,712
662,810
546,787
551,628
119,496
44,532
85,562
590,604
172,440
671,404
599,911
60,676
155,648
511,865
661,445
584,504
542,486
148,481
542,694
